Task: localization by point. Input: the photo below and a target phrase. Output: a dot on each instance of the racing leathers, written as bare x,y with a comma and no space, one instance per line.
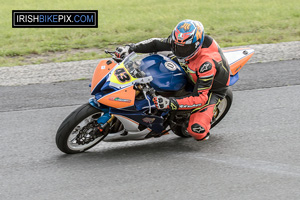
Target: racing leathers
208,69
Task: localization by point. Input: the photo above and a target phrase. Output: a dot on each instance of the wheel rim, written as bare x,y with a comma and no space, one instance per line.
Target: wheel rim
220,110
85,128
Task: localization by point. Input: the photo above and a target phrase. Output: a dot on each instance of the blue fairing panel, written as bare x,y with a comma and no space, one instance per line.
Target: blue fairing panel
167,75
95,104
234,79
99,85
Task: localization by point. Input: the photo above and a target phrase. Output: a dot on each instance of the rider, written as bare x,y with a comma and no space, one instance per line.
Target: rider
202,59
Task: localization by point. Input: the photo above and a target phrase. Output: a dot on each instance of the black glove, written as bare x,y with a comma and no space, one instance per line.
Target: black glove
122,52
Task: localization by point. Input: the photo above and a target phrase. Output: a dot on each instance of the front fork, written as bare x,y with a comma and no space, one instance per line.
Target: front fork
106,118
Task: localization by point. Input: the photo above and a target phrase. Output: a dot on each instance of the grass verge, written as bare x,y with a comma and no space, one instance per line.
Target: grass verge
231,23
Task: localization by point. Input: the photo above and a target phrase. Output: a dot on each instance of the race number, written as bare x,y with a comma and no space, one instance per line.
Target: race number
122,75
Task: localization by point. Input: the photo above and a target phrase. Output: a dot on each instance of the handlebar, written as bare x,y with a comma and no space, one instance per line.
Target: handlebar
112,53
152,92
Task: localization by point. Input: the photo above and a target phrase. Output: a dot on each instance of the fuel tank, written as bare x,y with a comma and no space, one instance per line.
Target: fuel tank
167,74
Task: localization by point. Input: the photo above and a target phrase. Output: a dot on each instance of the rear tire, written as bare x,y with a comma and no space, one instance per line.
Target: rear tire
222,108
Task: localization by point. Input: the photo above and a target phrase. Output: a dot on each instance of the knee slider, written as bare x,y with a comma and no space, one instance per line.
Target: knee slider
198,131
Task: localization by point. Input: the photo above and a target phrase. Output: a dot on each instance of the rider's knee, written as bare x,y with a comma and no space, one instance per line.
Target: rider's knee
198,132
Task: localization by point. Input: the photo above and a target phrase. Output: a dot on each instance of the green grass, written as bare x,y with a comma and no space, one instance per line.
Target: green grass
231,23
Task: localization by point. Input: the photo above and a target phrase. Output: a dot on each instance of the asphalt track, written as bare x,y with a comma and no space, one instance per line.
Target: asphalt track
252,154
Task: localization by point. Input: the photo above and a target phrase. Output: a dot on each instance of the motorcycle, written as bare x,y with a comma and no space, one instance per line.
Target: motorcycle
122,108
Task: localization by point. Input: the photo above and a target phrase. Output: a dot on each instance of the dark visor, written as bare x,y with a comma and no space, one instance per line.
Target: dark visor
183,51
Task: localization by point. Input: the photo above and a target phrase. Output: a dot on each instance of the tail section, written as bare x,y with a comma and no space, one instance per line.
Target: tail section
237,58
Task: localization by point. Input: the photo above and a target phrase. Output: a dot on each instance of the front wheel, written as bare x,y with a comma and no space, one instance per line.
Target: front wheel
79,131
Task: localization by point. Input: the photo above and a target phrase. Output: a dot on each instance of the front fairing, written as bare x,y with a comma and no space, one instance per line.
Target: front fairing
116,88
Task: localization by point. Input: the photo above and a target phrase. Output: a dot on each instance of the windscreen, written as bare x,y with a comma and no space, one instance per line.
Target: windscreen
132,64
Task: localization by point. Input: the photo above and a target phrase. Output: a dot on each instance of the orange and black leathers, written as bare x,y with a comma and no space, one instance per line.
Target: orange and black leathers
208,70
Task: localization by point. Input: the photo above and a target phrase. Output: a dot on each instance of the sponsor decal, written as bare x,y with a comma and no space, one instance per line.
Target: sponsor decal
55,18
180,36
198,34
148,120
170,66
173,104
205,67
197,128
237,69
103,67
186,26
190,106
119,99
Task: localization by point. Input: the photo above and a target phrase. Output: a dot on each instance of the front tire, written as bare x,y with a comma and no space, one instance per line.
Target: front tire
73,134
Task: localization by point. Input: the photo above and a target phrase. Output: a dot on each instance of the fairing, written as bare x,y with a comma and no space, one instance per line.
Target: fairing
237,58
112,84
100,73
119,99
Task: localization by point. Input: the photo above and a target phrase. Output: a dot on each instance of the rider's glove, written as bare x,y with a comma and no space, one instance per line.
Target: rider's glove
122,52
165,103
161,102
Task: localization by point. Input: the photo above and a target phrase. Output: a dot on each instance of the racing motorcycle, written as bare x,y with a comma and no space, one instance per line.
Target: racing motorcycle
122,108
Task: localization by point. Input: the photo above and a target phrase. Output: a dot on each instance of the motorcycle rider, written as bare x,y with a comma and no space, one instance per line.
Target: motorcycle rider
202,59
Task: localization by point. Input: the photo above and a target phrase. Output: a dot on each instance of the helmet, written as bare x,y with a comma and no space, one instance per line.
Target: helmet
187,38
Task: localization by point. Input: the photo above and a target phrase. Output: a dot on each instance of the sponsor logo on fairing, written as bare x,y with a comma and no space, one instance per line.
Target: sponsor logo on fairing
170,66
148,120
119,99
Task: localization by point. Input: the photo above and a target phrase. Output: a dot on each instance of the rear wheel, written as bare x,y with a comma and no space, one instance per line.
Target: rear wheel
222,108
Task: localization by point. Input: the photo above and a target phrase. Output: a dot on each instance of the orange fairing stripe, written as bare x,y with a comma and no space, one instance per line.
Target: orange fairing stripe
235,67
119,99
100,72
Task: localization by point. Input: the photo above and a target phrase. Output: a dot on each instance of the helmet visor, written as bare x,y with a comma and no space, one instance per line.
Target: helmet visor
183,51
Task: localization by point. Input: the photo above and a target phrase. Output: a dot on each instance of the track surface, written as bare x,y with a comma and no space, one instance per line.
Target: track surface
252,154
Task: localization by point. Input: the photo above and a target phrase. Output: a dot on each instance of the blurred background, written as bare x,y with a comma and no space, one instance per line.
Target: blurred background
231,23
